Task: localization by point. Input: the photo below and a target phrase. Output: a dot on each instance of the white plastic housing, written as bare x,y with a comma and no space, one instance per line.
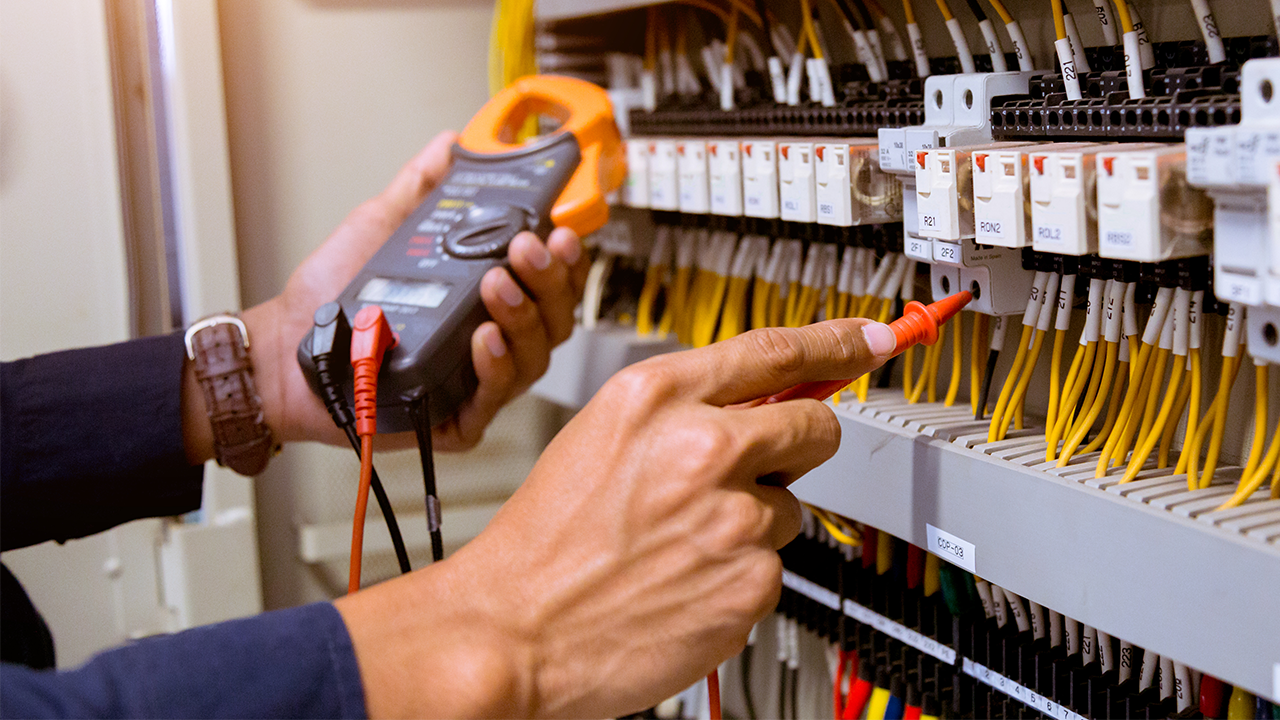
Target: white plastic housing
1146,210
1064,200
1000,196
695,191
944,190
760,178
724,162
664,192
636,193
850,187
797,187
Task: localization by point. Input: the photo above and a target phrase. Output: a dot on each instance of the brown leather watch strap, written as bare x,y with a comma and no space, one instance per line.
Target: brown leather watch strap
219,348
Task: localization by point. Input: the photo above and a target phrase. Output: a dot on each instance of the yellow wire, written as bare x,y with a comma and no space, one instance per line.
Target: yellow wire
1061,422
648,296
1005,16
1118,388
1055,377
1092,410
1024,381
932,571
1153,396
1223,401
908,370
760,303
1251,481
945,10
934,357
1121,452
731,35
1010,382
809,31
1259,418
1059,25
909,12
1171,428
884,553
1275,483
957,361
1135,388
980,326
829,522
1142,452
1122,10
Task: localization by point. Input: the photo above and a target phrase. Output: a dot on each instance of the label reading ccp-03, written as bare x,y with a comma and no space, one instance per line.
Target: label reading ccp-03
951,548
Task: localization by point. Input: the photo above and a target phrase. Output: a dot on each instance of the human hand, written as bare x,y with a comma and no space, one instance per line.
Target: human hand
636,556
509,352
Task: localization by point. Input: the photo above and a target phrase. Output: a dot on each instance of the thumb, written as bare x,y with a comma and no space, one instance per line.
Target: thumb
418,177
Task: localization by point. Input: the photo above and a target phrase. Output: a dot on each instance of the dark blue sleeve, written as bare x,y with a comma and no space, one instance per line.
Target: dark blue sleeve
284,664
92,438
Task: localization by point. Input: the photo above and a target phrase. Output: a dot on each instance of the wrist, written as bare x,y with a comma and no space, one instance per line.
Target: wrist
428,645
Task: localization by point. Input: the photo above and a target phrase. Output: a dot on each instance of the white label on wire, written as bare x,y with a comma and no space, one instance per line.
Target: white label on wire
917,50
1032,313
1181,322
1017,691
1167,329
1071,79
1155,321
1066,292
1048,303
951,548
1197,318
1130,310
989,36
1133,65
961,45
1114,311
1235,323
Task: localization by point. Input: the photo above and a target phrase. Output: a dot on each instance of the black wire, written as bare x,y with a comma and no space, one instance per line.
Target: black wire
422,426
847,11
979,13
992,357
745,658
767,26
384,504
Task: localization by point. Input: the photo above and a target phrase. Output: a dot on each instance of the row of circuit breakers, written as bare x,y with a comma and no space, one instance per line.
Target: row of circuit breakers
970,206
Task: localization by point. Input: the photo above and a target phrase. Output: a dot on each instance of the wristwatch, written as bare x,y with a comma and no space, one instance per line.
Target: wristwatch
219,348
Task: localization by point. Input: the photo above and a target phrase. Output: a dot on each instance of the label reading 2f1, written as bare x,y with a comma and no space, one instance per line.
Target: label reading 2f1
951,548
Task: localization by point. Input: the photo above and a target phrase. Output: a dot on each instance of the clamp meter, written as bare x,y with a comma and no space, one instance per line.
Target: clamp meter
426,277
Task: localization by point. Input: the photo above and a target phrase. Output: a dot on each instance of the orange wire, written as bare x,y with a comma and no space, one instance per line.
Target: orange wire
362,504
713,693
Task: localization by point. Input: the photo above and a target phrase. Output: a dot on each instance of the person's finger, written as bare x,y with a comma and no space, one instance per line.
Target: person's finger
783,441
784,516
765,361
418,177
496,371
547,278
521,324
566,245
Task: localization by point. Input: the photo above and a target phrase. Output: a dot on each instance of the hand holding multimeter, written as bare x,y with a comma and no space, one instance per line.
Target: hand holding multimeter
427,276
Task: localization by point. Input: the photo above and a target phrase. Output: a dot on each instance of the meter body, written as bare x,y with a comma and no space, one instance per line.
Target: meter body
426,277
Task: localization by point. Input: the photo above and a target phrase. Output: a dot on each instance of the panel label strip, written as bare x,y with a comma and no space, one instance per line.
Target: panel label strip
1016,691
867,616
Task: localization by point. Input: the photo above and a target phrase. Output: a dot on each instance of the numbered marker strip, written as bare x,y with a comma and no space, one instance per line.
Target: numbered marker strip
867,616
1018,692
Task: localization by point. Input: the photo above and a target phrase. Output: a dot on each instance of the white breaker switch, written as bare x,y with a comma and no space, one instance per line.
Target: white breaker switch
1237,166
797,186
664,192
724,161
1146,210
851,187
695,192
760,178
637,187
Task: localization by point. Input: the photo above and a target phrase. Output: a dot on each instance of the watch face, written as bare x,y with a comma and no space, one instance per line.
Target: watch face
404,292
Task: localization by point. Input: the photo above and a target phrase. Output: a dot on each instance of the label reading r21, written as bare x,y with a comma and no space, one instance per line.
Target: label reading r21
951,548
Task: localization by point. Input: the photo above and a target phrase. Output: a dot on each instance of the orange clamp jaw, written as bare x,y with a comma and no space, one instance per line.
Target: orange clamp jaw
583,110
918,324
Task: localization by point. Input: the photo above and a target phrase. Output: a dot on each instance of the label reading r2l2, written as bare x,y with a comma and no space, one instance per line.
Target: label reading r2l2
951,548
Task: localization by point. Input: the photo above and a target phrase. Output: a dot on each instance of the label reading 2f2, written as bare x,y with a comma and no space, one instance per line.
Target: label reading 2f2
951,548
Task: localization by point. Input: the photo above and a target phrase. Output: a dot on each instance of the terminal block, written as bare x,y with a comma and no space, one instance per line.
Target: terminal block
1147,211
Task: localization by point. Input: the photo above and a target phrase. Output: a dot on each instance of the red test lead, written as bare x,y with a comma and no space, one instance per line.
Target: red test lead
918,324
371,337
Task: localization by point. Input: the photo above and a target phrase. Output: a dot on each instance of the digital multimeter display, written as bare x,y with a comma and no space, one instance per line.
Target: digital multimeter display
419,294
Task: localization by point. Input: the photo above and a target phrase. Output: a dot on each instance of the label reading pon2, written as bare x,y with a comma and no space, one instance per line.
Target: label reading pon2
426,277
